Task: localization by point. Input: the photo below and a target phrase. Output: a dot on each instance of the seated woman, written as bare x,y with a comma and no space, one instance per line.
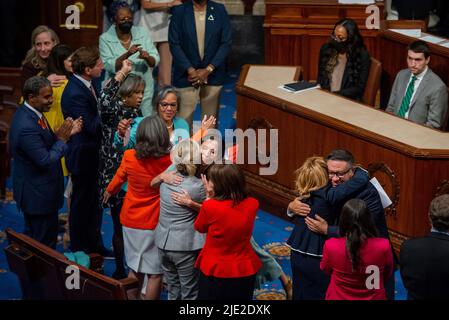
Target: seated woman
344,62
178,242
125,41
351,259
120,98
143,167
43,39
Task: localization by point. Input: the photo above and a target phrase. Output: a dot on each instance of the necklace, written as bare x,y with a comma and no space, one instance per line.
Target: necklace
169,127
126,42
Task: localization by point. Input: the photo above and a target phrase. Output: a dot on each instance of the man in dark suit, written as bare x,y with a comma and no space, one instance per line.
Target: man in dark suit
425,261
38,182
341,168
80,99
200,40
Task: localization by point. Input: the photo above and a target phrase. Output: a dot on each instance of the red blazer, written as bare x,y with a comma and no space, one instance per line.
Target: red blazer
227,252
140,208
348,285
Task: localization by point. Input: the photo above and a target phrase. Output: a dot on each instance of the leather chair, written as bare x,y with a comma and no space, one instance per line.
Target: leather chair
373,83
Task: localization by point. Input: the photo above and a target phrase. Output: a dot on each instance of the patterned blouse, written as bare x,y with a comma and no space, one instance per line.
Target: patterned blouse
112,111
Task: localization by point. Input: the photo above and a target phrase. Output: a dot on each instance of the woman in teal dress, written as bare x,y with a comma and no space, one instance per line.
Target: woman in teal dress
125,41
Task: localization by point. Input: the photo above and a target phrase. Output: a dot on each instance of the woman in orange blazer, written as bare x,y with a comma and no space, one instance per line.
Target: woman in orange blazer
140,211
228,263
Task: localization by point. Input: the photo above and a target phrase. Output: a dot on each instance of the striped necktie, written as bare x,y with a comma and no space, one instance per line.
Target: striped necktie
408,96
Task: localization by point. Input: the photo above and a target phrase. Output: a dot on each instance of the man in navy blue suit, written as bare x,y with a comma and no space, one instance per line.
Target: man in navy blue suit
80,100
38,182
200,40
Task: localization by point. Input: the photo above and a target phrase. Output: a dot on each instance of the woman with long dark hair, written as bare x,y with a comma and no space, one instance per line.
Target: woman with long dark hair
344,62
359,262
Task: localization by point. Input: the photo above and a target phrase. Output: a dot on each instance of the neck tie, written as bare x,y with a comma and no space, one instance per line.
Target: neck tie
93,92
408,96
47,125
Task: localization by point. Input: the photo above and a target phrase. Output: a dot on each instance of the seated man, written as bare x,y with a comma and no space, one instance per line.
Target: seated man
418,94
425,261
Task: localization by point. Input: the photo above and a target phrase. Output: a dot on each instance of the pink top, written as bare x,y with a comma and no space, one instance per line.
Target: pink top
367,283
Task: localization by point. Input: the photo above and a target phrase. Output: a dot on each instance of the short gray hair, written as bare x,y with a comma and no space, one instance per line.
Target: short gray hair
439,213
162,93
130,85
33,85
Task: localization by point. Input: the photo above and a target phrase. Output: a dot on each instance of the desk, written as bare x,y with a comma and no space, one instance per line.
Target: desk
414,158
393,42
296,29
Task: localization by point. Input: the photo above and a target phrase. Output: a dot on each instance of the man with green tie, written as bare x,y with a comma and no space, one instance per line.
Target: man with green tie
418,94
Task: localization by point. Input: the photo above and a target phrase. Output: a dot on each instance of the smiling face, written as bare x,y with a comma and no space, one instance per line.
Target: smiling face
43,43
339,171
43,101
167,108
135,99
209,151
416,62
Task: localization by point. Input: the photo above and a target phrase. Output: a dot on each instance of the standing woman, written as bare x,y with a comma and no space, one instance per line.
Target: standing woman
124,41
309,283
43,39
120,98
155,17
344,62
228,263
140,211
349,260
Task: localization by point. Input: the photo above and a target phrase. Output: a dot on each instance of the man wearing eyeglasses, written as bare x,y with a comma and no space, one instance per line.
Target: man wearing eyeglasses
341,168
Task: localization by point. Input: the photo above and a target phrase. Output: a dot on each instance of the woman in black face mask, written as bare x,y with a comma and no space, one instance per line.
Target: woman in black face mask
124,41
344,62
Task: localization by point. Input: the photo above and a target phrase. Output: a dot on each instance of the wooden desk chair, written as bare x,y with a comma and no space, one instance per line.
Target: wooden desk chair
373,83
43,273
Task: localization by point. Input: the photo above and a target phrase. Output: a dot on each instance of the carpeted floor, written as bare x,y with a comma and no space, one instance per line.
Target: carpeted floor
270,231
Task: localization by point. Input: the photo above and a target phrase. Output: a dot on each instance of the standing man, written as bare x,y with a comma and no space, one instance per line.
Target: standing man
80,99
425,261
418,94
200,39
38,182
341,168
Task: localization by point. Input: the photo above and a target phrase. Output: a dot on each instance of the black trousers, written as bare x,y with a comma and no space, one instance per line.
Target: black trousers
212,288
42,228
309,282
85,214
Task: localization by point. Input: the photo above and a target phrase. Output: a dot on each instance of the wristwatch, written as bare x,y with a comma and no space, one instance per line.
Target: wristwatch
210,68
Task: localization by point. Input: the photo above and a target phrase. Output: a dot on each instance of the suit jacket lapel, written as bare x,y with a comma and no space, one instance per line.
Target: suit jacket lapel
48,133
191,27
86,90
210,23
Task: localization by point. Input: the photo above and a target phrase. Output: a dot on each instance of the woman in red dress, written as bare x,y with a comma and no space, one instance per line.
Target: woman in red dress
228,263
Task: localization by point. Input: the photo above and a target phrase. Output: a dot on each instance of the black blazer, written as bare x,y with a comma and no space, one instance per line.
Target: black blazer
424,265
349,89
83,155
38,182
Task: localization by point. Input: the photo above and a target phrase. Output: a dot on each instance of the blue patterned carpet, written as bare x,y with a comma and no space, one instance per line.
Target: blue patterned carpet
270,231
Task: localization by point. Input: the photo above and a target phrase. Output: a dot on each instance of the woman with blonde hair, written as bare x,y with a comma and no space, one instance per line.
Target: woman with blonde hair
312,185
43,39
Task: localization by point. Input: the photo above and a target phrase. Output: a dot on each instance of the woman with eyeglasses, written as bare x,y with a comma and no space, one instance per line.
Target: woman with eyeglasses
314,189
344,62
166,104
